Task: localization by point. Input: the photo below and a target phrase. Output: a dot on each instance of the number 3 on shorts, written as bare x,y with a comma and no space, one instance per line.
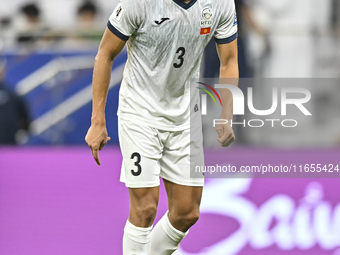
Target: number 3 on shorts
139,167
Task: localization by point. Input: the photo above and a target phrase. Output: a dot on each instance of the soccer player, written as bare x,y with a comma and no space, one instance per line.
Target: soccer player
165,42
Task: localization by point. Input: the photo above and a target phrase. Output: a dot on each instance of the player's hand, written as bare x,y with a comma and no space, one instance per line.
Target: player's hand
225,134
96,138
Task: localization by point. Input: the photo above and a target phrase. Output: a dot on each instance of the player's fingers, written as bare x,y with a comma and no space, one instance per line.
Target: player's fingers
219,130
104,143
96,156
226,141
229,141
222,139
86,140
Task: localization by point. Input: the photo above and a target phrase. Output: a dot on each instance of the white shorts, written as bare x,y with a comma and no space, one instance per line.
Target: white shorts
149,153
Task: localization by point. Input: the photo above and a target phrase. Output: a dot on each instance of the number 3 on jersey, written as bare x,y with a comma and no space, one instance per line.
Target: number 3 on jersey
181,52
139,167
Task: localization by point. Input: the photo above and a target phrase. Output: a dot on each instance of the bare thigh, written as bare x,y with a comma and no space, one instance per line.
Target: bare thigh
143,206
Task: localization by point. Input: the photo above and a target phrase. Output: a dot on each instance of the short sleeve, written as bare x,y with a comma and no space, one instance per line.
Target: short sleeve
125,19
226,31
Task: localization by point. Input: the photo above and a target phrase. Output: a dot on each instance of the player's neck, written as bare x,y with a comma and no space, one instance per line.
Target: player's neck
186,1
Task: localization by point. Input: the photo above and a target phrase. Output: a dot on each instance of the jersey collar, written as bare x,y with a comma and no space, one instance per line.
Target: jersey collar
184,5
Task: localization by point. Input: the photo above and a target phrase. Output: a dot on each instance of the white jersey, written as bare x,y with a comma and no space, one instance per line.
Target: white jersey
165,43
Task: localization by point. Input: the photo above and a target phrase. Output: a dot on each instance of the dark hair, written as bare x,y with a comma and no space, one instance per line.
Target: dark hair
30,10
87,6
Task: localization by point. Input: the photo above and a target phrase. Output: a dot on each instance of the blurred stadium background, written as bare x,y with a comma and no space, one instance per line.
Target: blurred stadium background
53,199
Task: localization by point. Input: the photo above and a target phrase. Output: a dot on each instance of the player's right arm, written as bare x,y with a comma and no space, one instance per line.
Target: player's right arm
110,46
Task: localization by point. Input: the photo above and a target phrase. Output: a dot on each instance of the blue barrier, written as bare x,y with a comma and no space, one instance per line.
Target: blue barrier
46,96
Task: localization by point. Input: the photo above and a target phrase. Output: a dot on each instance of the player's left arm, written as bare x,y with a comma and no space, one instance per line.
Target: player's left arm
229,69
